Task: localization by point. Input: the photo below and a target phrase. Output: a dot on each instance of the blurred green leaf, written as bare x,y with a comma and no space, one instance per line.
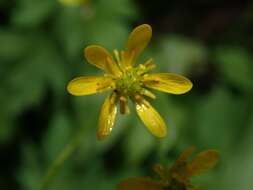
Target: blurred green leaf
42,49
236,66
100,32
218,118
14,45
237,165
173,116
30,173
178,54
118,9
24,88
87,109
32,13
139,143
71,30
7,129
58,136
29,78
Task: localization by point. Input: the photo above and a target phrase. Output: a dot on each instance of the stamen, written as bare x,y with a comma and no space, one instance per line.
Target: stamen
116,53
148,93
124,61
141,69
123,102
147,66
122,55
119,60
138,98
123,99
150,64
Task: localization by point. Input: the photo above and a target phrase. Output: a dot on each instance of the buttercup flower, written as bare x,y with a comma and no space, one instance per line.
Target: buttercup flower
177,176
127,81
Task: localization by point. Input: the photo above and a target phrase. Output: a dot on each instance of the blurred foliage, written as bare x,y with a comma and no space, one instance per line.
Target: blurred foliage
42,49
177,176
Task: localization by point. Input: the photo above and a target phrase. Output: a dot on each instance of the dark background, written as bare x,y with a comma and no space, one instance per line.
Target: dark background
41,49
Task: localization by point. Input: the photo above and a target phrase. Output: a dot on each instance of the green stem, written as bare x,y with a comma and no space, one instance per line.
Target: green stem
60,160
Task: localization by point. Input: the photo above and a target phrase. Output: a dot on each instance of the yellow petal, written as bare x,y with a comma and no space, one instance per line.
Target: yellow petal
202,162
168,82
89,85
138,40
139,183
107,117
101,58
151,118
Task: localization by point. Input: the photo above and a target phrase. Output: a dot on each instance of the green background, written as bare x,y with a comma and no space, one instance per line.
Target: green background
41,49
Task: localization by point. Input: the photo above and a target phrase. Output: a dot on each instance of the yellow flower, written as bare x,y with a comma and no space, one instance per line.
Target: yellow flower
177,176
127,81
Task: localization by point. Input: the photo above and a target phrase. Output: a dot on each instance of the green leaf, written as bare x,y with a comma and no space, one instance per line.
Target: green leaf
29,174
218,118
236,168
59,134
14,45
139,143
100,32
71,29
24,88
179,54
118,9
235,65
26,85
8,128
32,13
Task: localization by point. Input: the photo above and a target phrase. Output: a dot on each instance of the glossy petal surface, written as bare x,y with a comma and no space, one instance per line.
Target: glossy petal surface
107,117
151,118
89,85
138,40
202,162
168,82
139,183
101,58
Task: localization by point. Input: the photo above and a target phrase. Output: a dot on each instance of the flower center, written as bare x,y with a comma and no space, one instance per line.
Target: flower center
129,83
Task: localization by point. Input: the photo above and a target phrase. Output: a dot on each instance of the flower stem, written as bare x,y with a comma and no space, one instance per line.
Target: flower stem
60,160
